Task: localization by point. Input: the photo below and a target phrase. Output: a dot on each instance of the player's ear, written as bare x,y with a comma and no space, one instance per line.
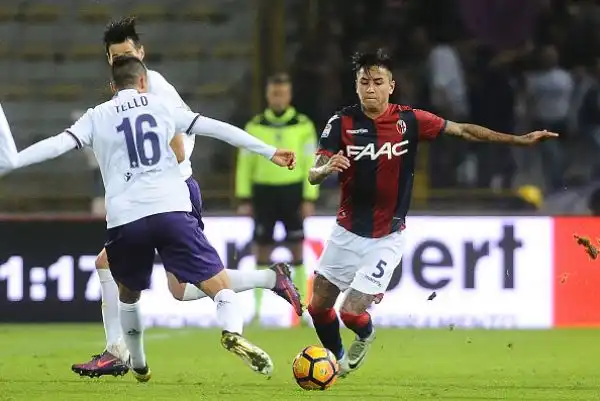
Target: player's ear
143,84
392,86
113,89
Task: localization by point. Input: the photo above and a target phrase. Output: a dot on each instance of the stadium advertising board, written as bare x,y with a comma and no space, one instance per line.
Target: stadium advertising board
493,272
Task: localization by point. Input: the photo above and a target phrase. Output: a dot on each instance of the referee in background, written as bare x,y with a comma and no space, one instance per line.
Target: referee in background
270,194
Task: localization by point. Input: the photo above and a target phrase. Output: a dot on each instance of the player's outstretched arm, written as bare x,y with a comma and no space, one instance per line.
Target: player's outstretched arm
324,166
477,133
205,126
8,149
46,149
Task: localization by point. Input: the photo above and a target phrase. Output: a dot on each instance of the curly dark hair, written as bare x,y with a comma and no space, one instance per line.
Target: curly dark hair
377,58
120,31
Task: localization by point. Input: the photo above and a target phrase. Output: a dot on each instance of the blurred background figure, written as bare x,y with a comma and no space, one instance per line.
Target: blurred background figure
272,195
511,65
549,90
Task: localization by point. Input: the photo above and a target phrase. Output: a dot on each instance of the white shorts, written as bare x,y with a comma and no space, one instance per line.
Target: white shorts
364,264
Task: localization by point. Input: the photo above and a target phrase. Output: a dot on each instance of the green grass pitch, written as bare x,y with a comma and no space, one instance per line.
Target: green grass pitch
189,364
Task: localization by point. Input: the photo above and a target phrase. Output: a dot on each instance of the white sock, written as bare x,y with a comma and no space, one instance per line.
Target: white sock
131,324
240,281
229,313
110,308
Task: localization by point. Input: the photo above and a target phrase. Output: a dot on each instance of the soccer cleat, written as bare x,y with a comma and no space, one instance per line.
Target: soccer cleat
100,365
141,375
256,358
285,288
344,367
358,351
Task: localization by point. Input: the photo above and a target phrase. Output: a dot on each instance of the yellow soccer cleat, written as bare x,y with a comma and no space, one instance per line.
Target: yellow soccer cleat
257,359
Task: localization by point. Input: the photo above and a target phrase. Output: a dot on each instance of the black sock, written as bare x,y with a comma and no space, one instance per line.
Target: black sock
327,327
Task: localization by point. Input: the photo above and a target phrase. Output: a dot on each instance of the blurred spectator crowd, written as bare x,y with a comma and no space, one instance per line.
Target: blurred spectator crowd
510,65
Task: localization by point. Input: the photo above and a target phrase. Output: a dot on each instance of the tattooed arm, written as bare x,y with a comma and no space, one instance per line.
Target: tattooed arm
476,133
318,172
324,166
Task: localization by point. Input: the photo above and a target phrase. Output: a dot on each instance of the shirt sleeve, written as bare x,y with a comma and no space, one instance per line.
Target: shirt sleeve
330,141
46,149
194,124
430,125
82,130
8,149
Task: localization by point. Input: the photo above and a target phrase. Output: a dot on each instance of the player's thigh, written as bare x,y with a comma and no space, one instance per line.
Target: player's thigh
290,213
184,249
340,261
102,260
265,215
196,199
378,263
130,254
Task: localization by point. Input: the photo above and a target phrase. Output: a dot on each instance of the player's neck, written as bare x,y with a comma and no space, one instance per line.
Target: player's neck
375,114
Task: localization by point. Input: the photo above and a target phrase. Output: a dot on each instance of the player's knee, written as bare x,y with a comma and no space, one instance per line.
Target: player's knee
351,319
176,288
128,296
102,260
321,315
216,283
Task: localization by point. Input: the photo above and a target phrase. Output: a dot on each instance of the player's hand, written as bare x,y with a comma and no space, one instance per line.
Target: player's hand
245,209
337,163
537,136
284,158
308,209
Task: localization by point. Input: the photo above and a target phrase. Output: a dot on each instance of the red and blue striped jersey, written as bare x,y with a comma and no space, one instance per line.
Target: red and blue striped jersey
376,189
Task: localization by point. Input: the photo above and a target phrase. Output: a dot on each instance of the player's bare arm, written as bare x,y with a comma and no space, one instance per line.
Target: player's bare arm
324,166
178,147
357,302
477,133
324,293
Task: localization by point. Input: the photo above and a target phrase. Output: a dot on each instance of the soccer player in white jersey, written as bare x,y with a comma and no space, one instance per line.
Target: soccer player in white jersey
148,204
122,39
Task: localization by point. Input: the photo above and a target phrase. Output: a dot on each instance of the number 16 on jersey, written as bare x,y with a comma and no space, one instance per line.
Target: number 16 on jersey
136,141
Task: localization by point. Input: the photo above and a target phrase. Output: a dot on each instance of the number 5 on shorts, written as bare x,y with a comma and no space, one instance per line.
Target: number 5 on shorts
380,269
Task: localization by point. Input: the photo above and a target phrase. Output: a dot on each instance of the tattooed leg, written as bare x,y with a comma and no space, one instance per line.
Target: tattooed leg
355,316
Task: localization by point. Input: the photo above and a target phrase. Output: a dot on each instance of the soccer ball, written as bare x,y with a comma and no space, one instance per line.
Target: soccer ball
315,368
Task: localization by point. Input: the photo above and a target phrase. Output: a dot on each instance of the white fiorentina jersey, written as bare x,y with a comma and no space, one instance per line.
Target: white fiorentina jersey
158,85
130,136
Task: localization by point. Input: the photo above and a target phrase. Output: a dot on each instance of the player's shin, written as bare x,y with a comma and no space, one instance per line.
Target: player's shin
360,324
327,327
229,313
258,292
131,324
300,277
110,310
240,281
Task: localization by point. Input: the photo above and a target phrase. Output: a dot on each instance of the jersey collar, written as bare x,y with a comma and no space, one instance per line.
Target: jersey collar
289,113
129,91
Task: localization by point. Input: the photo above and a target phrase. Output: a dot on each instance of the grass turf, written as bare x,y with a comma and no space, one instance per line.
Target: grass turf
189,364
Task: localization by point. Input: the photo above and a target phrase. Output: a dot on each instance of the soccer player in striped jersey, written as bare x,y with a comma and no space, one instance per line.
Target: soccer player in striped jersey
373,146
